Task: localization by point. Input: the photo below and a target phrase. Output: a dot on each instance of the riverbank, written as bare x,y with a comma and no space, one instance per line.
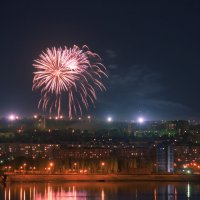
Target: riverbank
94,177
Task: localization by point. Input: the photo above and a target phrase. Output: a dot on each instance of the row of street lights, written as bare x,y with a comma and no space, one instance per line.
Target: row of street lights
50,168
102,164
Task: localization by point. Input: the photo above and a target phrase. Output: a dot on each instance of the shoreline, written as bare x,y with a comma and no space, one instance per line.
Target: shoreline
95,178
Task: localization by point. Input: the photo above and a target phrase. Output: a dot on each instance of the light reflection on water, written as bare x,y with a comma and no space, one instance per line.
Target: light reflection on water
101,191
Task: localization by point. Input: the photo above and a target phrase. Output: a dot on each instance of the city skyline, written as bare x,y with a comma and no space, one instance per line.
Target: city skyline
151,51
100,99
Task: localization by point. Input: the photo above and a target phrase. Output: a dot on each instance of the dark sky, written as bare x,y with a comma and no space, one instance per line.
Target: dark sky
151,50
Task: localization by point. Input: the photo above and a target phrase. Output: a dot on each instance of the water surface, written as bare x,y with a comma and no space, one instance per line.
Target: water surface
101,191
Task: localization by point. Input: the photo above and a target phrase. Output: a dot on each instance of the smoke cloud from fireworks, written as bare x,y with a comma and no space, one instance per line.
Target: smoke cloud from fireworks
71,75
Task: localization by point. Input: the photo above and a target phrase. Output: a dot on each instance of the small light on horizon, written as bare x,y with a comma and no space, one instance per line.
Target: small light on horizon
109,119
140,120
13,117
35,116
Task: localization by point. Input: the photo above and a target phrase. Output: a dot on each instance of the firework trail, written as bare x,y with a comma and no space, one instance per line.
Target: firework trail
69,74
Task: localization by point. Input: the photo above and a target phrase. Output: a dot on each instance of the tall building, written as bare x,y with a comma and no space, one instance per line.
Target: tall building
165,158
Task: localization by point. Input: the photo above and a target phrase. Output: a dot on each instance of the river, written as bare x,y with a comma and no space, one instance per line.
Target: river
101,191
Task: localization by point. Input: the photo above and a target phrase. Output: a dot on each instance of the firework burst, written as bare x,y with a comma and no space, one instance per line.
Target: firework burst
69,74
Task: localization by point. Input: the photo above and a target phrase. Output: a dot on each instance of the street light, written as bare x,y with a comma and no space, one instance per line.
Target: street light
51,164
102,166
75,165
9,168
49,169
24,166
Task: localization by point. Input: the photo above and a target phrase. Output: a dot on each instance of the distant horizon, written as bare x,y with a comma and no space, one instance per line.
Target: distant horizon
85,117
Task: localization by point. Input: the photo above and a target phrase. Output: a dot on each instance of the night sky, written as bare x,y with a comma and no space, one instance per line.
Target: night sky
151,50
